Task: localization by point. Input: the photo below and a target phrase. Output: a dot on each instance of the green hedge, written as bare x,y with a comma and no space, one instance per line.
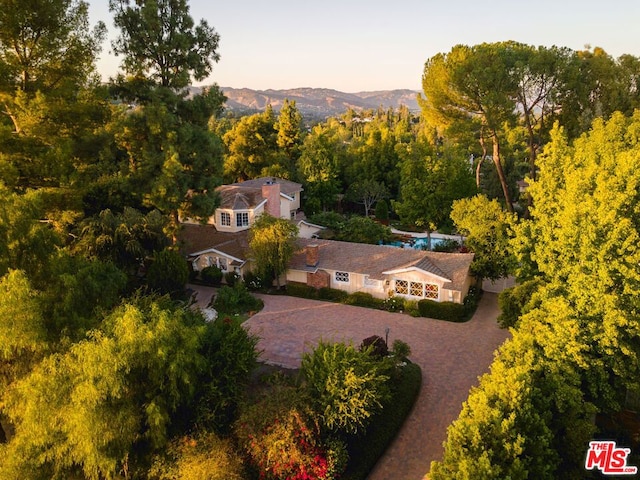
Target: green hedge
366,449
362,299
449,311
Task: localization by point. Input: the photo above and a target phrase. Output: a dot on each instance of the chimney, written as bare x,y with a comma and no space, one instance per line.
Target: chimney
313,255
271,191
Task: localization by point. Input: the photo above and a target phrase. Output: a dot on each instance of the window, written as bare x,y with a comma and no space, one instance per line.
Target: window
293,214
415,289
402,287
342,277
242,219
225,219
222,263
431,291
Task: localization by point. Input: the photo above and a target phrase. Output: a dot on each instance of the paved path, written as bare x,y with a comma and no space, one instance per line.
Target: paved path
451,356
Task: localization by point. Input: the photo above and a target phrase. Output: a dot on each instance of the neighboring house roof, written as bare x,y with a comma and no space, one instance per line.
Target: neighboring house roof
198,239
377,261
286,186
239,198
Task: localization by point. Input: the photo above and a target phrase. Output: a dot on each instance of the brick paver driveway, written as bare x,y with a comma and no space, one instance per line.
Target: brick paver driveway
451,356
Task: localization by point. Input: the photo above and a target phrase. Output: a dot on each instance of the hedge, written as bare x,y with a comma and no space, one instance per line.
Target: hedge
366,449
450,311
362,299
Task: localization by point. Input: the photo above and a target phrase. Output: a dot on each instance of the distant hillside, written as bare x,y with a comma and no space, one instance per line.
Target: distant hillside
318,102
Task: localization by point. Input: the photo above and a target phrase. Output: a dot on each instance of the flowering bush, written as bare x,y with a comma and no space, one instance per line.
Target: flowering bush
283,442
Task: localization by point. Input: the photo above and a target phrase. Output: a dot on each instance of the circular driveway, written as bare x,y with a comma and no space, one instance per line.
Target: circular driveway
451,356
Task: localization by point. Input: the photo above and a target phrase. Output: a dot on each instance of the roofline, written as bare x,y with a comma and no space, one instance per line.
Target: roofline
214,250
312,224
286,196
414,269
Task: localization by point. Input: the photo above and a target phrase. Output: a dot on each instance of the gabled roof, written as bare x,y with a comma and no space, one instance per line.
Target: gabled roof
286,186
197,239
378,261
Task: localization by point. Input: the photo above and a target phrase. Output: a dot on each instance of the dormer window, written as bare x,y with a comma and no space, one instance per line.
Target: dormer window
225,219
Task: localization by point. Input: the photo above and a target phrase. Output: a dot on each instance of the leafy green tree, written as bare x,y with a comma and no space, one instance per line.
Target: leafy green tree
473,86
320,168
168,273
252,146
367,192
83,411
26,243
272,244
429,183
159,39
487,229
126,239
347,386
363,230
527,418
583,241
289,128
382,210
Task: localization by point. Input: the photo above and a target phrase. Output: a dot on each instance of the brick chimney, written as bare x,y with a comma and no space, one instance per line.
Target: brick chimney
313,255
271,191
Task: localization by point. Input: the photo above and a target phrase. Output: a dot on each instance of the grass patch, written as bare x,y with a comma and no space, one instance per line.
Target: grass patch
366,449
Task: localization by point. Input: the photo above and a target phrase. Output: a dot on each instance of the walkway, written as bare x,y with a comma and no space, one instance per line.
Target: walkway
451,356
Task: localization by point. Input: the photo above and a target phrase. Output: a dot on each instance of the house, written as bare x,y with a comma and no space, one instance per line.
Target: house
381,270
205,246
241,203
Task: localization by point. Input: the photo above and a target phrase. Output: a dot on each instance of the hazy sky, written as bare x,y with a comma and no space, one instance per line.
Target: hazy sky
362,45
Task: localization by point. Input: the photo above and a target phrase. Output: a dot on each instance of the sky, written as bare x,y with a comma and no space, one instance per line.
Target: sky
367,45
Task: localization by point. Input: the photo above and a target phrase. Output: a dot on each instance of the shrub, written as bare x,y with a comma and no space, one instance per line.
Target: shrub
332,294
282,440
365,450
401,349
447,245
168,273
302,290
235,300
231,278
362,299
394,304
375,345
196,458
382,210
211,275
411,308
347,386
449,311
253,281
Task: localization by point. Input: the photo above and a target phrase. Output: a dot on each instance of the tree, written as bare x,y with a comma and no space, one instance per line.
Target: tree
347,386
583,241
359,229
527,418
487,230
319,166
83,411
429,183
272,244
473,85
251,147
289,128
169,272
159,39
367,192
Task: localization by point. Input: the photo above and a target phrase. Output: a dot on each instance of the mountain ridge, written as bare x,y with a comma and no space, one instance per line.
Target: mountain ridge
319,102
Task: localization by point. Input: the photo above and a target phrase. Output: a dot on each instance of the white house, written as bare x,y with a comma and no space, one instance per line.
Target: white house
382,270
